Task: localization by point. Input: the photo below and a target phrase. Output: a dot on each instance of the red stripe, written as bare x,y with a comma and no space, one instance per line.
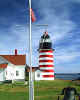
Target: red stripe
46,65
48,70
46,76
46,56
45,60
41,51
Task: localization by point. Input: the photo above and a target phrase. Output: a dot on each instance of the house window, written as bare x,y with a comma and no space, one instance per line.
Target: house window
6,72
17,73
38,75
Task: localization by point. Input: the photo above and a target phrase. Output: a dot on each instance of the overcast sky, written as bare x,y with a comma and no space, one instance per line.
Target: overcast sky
63,19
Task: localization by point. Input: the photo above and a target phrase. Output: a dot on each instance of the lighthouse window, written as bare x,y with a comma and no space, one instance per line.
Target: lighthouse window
43,40
47,40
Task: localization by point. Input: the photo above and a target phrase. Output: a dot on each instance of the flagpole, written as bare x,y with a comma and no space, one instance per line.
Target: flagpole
31,87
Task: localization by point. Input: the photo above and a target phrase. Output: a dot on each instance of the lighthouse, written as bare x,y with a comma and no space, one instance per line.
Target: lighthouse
46,65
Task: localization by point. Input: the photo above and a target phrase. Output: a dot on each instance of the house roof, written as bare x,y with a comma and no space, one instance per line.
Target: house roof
3,65
15,59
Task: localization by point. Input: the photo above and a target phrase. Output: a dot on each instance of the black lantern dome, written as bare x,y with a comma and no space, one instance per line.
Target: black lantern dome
45,42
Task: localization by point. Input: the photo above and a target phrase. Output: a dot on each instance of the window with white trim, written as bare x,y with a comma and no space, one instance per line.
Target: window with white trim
17,73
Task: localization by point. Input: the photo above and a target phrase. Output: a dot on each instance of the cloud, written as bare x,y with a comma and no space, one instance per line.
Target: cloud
67,54
67,59
78,1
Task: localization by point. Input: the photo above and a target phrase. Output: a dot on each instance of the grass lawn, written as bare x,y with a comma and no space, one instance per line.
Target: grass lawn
44,90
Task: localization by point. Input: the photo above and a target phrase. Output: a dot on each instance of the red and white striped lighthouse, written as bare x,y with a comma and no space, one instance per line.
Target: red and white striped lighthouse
46,58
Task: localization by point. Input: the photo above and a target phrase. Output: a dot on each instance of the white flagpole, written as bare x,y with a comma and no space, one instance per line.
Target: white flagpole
31,87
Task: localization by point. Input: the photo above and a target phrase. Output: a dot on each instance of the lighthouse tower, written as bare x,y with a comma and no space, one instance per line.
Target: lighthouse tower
46,58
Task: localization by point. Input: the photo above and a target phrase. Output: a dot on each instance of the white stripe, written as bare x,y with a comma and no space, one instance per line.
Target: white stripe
46,63
46,68
46,53
46,58
47,73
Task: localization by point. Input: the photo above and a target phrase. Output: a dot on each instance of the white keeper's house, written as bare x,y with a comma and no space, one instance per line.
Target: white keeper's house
12,67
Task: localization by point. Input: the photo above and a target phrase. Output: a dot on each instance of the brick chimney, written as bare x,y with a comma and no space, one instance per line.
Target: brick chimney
15,51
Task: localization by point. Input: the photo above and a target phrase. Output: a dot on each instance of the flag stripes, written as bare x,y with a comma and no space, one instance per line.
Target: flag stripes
33,18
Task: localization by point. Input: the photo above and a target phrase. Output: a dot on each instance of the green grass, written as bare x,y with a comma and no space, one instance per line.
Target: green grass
49,90
44,90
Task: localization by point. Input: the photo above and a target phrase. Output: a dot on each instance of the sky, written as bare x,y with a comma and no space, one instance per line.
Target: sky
63,20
